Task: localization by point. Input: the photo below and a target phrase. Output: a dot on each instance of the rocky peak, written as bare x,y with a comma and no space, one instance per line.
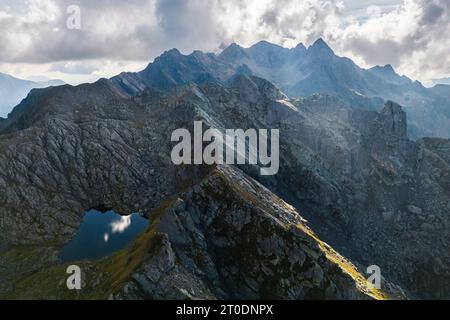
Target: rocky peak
170,55
388,68
265,45
172,52
394,119
233,52
300,49
300,46
268,55
418,86
320,47
388,73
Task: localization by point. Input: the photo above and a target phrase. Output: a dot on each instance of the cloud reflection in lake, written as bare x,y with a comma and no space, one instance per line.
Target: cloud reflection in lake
102,234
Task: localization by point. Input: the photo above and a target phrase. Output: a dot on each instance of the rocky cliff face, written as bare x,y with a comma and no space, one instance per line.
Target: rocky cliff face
230,238
379,197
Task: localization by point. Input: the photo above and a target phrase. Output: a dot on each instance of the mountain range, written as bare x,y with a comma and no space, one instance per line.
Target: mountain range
301,72
354,189
13,90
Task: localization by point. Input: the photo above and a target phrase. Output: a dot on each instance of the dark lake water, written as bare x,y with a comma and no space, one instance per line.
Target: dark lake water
102,234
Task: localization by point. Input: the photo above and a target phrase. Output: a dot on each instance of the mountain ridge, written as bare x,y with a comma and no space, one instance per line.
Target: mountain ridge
302,71
13,90
353,173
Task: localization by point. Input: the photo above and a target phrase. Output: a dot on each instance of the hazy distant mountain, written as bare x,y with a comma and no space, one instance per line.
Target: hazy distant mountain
306,71
301,72
445,81
13,90
388,74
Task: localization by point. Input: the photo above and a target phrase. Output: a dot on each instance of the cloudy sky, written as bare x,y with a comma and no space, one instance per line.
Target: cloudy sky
117,35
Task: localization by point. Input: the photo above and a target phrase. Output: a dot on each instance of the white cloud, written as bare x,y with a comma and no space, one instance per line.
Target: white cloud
284,22
116,35
412,37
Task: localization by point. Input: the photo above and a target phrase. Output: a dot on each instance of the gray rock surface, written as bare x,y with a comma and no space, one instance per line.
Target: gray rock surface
352,173
231,238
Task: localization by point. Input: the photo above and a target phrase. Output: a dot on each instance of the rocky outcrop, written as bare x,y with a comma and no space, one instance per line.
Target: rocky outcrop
13,90
394,121
377,196
374,195
230,238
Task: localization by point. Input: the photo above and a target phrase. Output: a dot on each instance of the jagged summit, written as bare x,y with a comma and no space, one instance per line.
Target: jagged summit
388,74
321,46
264,45
235,49
389,68
386,69
173,51
298,72
301,47
301,71
233,52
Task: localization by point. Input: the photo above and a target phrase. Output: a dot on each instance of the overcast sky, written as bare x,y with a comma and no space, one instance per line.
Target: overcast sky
119,35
